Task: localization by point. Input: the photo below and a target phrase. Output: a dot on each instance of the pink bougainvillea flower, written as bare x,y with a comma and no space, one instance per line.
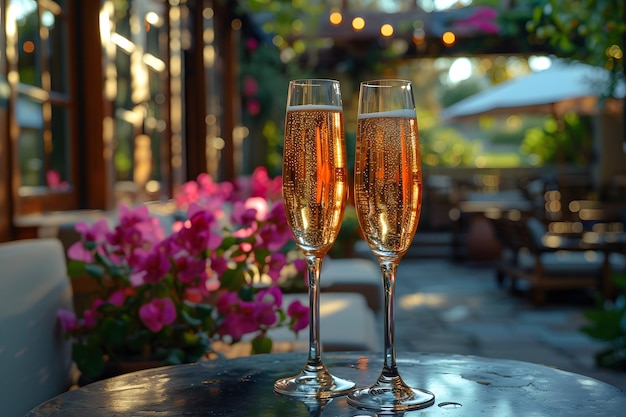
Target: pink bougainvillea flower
250,86
242,214
260,205
273,237
254,107
54,181
67,319
196,235
299,314
277,261
187,194
78,252
90,316
267,302
155,265
96,233
482,19
141,227
226,301
278,216
300,264
239,316
252,44
157,313
238,323
212,191
218,263
195,295
118,297
261,185
190,268
259,181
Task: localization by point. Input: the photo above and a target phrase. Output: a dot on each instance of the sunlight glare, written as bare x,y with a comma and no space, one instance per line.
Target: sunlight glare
460,70
539,63
412,301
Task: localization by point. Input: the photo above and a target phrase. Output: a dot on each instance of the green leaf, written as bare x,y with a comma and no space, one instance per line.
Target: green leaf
228,242
192,321
537,13
620,280
96,271
90,245
114,331
103,260
203,312
75,268
604,324
261,344
175,357
260,254
89,359
232,279
137,340
246,293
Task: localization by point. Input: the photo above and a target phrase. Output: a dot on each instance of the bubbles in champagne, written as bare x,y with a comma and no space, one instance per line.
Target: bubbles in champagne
388,180
314,175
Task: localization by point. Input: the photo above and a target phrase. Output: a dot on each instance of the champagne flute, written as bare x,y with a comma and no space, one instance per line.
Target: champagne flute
314,190
388,199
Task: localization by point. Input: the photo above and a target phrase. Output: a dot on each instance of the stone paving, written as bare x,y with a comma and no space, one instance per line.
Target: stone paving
449,307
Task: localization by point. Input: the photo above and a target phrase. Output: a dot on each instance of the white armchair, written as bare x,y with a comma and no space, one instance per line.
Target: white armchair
35,358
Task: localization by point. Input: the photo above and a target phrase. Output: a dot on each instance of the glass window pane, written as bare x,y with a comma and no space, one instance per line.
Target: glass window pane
123,157
29,117
28,44
59,172
122,62
57,51
122,18
31,157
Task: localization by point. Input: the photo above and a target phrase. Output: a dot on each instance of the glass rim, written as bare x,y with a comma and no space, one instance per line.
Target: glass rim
313,81
390,82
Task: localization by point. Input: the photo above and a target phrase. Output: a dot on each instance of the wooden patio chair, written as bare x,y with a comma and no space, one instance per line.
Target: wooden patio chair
563,265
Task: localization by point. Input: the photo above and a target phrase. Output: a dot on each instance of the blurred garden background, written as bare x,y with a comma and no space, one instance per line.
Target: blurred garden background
125,100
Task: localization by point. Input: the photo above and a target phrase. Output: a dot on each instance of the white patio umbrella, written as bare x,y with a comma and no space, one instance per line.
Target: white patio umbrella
563,87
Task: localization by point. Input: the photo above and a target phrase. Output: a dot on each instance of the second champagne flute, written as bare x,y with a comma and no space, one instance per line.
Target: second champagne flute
388,199
314,190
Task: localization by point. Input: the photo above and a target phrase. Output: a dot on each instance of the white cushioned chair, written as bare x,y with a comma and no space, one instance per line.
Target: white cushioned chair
35,358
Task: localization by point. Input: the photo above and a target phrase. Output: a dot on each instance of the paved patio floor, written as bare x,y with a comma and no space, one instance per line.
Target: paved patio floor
442,306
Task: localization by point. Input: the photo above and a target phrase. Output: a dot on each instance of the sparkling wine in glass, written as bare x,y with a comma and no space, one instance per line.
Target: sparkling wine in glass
388,199
314,191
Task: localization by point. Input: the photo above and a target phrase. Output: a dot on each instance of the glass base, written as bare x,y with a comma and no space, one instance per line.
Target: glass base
318,384
391,396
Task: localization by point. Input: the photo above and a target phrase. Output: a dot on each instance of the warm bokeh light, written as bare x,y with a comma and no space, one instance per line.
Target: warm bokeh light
514,122
28,47
208,13
386,30
297,26
614,51
358,23
236,24
448,38
335,18
152,18
419,36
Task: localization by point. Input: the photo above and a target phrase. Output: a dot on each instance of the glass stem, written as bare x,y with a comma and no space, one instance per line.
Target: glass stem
314,265
388,269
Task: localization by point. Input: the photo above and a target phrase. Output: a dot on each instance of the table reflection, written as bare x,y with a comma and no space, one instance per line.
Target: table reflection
463,385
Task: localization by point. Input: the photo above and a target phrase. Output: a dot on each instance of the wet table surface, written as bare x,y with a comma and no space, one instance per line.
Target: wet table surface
463,386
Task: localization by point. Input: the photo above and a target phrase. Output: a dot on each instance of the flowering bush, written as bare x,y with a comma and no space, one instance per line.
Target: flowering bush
167,296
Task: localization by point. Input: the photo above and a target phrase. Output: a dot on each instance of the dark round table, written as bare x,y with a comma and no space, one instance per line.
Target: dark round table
463,386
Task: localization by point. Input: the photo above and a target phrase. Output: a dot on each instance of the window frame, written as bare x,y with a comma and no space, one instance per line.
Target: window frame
37,199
